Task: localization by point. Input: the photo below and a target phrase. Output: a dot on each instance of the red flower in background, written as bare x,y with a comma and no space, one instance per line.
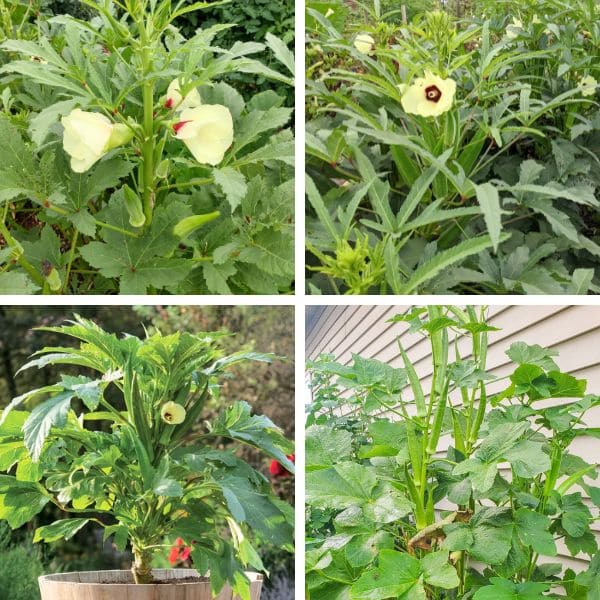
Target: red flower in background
179,552
278,470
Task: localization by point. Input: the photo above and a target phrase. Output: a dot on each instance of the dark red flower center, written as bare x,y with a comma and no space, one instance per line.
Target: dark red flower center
433,93
179,125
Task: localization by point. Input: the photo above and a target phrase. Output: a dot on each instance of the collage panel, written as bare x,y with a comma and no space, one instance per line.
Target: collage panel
452,452
452,147
147,452
146,147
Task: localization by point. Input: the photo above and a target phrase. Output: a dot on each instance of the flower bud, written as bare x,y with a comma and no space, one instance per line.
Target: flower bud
51,276
188,225
177,102
121,135
163,169
133,204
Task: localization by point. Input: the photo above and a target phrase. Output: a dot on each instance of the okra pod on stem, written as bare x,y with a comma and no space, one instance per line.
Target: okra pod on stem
480,414
438,421
415,383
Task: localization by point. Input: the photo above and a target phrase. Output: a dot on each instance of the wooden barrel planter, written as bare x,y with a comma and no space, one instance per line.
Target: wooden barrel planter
118,585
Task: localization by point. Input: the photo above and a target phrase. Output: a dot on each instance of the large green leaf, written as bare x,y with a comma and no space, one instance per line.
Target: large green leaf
43,417
401,576
64,529
503,589
489,200
397,576
437,571
446,258
576,515
522,353
503,443
532,529
248,504
325,446
20,501
347,484
487,537
140,260
238,423
591,578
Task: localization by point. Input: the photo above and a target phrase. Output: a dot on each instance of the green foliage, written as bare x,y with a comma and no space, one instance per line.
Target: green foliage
122,225
510,161
382,474
20,566
251,22
139,476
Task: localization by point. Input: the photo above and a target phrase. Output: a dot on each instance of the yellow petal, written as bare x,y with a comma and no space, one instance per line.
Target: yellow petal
172,413
588,85
429,96
177,102
364,43
85,138
207,131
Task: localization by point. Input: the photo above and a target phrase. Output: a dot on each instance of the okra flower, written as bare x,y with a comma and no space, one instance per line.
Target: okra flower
172,413
176,101
207,131
89,136
512,31
587,85
364,43
428,96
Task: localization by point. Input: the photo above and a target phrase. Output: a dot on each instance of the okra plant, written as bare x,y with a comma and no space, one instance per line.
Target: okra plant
134,166
448,490
440,148
149,474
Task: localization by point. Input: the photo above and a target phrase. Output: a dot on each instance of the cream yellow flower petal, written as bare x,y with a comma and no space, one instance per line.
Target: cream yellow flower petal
587,86
172,413
177,102
364,43
207,131
429,96
85,138
513,30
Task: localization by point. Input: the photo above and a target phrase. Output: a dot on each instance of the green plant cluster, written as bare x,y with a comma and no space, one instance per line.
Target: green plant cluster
147,216
460,488
20,566
251,21
496,191
149,477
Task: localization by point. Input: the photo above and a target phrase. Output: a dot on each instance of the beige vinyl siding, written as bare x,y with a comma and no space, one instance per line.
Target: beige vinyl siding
574,331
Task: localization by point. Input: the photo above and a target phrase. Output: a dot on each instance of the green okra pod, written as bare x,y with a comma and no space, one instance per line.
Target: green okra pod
414,449
438,420
420,516
480,414
459,436
415,383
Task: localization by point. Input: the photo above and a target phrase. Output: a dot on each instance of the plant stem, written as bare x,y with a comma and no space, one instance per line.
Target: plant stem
147,166
70,263
25,264
142,569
